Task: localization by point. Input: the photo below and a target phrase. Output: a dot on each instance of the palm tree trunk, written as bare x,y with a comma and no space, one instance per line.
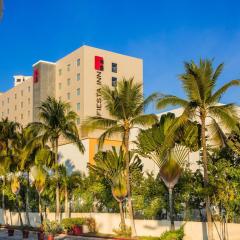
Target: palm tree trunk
205,177
3,198
57,187
66,203
170,191
27,200
40,207
123,224
18,209
130,207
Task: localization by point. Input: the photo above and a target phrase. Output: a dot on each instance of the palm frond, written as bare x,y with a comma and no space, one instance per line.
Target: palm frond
216,97
170,100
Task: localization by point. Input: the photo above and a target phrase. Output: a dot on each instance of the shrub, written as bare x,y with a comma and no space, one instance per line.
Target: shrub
173,235
123,231
68,223
51,227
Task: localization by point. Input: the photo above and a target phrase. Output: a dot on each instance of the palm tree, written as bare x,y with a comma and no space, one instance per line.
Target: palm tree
15,187
169,156
40,176
8,135
125,104
31,151
112,166
69,181
202,104
57,120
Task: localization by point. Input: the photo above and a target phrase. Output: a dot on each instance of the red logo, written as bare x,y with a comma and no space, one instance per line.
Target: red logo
99,63
35,75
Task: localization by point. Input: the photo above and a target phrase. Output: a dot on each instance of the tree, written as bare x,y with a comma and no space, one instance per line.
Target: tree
112,166
202,104
125,104
170,158
57,120
8,135
40,176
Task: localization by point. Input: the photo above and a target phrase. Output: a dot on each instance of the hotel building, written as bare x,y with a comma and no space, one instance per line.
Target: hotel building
77,79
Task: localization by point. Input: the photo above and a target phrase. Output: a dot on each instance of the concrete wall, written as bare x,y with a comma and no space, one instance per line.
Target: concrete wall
106,222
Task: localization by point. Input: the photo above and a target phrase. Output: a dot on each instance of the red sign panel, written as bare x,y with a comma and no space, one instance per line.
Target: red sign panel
35,75
99,63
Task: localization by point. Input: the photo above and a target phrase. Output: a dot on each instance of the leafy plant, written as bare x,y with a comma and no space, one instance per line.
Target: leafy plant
123,231
69,223
173,235
51,227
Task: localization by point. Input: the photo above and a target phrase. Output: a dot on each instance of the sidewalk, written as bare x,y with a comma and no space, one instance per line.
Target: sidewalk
33,236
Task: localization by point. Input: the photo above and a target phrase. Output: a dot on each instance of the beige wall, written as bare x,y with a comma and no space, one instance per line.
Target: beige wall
17,103
106,222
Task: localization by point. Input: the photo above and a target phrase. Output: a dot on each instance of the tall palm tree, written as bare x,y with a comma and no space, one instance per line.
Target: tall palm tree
8,135
69,181
57,120
125,104
169,156
40,176
31,152
112,166
202,104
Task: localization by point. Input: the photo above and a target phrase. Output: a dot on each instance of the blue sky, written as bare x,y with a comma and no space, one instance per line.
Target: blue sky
164,33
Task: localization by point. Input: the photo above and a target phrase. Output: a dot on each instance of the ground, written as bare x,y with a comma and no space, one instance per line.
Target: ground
33,236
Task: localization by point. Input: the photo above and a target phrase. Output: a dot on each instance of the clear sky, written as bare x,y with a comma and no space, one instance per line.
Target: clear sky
162,32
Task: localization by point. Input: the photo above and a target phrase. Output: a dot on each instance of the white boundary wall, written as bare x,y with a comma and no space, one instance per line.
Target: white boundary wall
106,222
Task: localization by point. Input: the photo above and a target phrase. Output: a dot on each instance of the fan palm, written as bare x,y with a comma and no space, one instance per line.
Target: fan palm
57,120
202,103
125,104
112,166
169,156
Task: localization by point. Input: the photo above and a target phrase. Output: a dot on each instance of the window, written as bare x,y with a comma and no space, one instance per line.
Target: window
78,92
78,120
68,81
114,81
21,116
28,113
8,111
60,86
78,106
15,107
60,72
78,62
78,77
29,89
68,67
8,100
28,100
21,104
15,96
68,96
22,93
114,67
